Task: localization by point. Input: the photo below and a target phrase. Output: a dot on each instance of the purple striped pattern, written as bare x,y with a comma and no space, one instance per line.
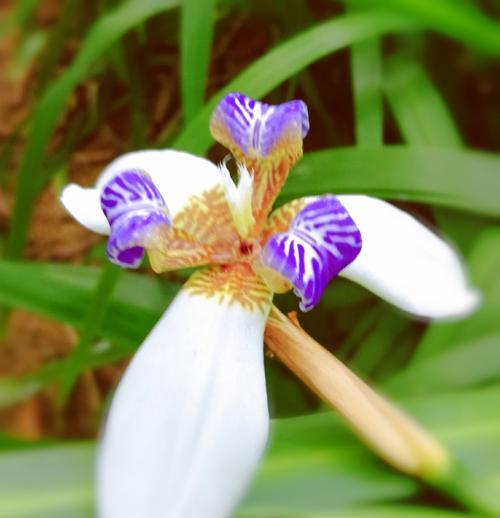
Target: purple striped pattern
256,127
322,240
133,206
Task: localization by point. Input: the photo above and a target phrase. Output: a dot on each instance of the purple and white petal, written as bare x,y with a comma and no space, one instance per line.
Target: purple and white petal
257,128
407,264
176,174
322,240
134,209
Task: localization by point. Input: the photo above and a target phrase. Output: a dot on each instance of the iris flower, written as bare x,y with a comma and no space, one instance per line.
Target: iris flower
189,420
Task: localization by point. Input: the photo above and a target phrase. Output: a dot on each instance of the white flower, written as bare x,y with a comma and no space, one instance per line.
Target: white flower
189,420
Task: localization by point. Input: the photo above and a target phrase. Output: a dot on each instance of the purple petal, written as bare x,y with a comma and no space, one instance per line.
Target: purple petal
322,240
256,128
134,208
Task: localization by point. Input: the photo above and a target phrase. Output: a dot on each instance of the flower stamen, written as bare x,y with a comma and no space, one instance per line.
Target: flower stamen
239,198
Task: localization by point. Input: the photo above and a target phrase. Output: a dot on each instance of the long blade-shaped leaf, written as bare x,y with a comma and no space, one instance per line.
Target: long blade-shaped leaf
460,20
105,31
197,25
366,83
313,468
289,58
420,112
465,180
64,293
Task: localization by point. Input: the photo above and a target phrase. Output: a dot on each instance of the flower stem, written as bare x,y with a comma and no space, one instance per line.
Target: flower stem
98,306
386,429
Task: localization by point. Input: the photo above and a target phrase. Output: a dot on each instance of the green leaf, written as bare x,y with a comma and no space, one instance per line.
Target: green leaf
64,292
458,20
424,120
314,467
295,473
366,86
94,317
475,361
105,31
25,10
468,423
197,26
15,390
483,266
377,345
48,482
287,59
421,114
390,511
466,180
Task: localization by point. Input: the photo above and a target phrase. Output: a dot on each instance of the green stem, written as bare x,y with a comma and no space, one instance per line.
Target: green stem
96,313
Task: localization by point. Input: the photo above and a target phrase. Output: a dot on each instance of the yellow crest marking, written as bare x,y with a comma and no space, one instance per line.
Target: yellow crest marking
230,285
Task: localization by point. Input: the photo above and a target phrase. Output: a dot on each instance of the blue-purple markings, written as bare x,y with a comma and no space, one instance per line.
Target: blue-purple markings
133,206
322,240
256,126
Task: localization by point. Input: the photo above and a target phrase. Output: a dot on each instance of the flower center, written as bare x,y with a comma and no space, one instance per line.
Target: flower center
239,198
246,251
246,248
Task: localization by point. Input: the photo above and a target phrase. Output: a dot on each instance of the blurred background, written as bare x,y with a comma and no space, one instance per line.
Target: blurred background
404,101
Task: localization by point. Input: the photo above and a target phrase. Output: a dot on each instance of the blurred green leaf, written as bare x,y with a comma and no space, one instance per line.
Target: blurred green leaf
28,50
64,292
483,266
197,26
390,511
93,320
132,63
287,59
291,475
421,113
105,31
62,29
468,422
20,388
24,11
466,180
47,483
314,467
16,389
425,121
472,362
366,85
462,20
379,342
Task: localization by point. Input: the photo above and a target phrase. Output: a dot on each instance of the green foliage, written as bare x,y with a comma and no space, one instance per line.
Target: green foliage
64,292
367,92
106,31
287,59
197,24
461,20
314,468
465,180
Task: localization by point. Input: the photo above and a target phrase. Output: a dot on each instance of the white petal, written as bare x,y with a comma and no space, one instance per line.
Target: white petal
85,206
189,420
406,264
177,175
